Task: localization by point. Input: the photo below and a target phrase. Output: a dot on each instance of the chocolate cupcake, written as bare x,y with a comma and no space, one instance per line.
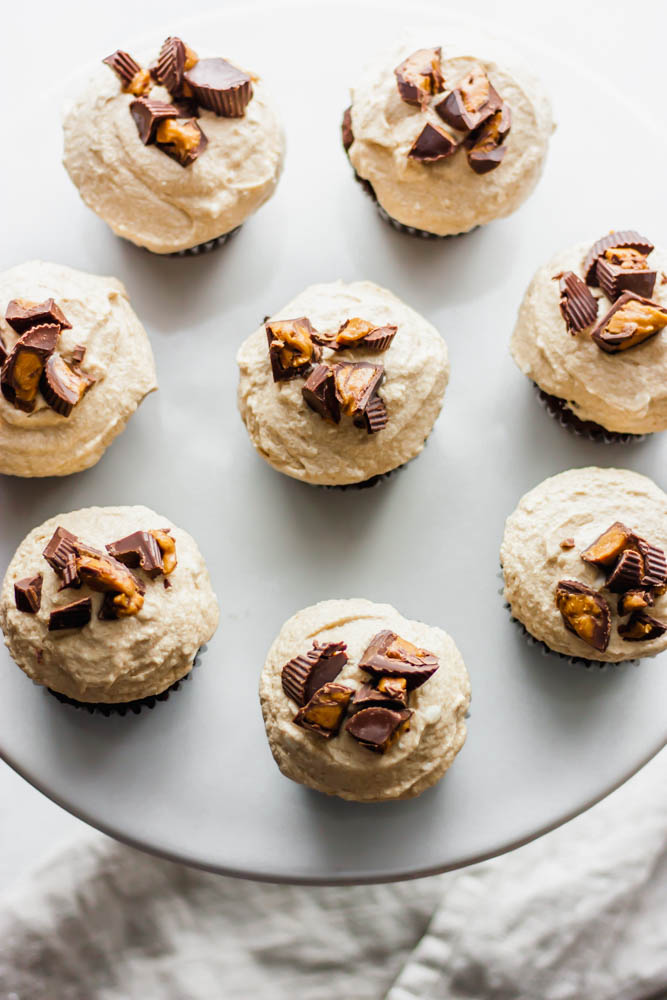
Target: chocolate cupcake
342,385
584,563
75,363
362,703
446,141
174,155
590,336
107,606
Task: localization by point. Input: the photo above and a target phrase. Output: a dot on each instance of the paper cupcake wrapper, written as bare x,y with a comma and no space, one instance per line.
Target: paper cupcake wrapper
560,411
204,247
124,707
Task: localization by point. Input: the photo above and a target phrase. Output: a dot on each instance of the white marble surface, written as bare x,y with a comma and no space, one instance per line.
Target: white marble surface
41,38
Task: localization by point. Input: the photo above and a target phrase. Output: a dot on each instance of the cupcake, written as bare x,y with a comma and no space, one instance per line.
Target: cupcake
343,385
107,606
584,563
445,140
173,156
75,363
363,703
589,335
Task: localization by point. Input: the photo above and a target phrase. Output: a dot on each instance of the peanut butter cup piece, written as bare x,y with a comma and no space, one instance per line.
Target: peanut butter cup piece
292,348
642,628
148,114
3,351
319,392
389,692
175,57
134,79
607,548
74,615
357,383
78,354
60,554
28,594
139,549
22,370
220,87
613,240
420,76
124,592
182,139
357,332
654,572
470,103
63,386
630,322
432,144
634,600
624,269
627,573
377,729
485,145
585,612
325,711
307,673
22,315
578,306
389,655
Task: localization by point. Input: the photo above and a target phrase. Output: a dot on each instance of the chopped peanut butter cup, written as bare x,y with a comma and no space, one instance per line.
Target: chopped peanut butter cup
74,615
606,549
306,674
141,550
292,348
630,322
60,554
346,129
584,612
182,139
134,79
470,103
634,600
420,76
319,392
654,568
325,711
175,57
485,145
641,628
389,692
357,382
624,269
377,729
22,315
432,144
124,592
220,87
62,386
357,332
28,594
578,306
388,655
614,240
148,114
22,371
627,574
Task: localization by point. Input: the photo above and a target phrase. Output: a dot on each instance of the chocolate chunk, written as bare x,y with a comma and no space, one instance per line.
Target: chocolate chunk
624,270
654,571
616,240
627,574
22,315
376,417
390,692
642,628
28,594
420,76
388,655
578,306
3,351
182,139
62,386
377,729
319,392
357,383
99,571
292,348
324,712
630,322
147,116
220,87
140,549
167,547
485,144
74,615
171,64
22,371
432,144
133,78
634,600
606,549
346,128
360,333
60,554
304,675
585,612
471,103
78,354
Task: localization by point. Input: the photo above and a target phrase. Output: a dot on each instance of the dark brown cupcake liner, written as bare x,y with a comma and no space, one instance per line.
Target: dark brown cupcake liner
560,411
199,249
124,707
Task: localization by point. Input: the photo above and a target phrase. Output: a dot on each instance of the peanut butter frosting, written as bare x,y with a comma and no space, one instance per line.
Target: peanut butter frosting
341,766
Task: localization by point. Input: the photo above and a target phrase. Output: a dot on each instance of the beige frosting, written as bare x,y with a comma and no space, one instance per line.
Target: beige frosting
579,504
110,661
340,766
118,355
296,440
624,392
446,197
150,199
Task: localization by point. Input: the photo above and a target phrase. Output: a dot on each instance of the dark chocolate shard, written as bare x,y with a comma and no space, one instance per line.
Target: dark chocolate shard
63,386
432,144
634,600
390,692
319,392
654,571
139,549
22,315
171,64
74,615
607,548
642,628
292,348
470,103
631,321
578,306
134,79
78,354
627,574
485,145
377,729
585,612
325,711
419,76
148,114
182,139
624,270
307,673
389,655
618,240
220,87
357,332
22,371
357,383
28,594
346,128
60,554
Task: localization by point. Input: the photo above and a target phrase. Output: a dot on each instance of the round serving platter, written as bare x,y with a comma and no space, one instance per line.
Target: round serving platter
194,779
